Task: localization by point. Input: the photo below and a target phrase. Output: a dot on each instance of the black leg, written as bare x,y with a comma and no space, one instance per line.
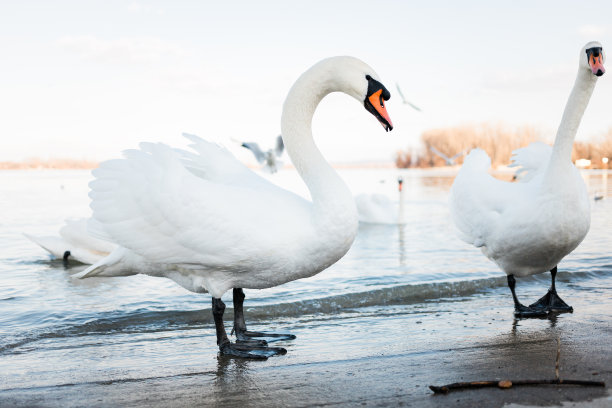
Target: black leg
238,350
521,310
551,300
242,334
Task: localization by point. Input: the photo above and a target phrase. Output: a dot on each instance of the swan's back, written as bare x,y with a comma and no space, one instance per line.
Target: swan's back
477,199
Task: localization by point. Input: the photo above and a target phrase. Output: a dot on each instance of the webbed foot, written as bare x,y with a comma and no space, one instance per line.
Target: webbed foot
553,303
255,352
248,336
523,311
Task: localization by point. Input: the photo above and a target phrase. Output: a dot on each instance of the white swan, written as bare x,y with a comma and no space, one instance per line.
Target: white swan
379,209
211,224
528,227
74,241
269,158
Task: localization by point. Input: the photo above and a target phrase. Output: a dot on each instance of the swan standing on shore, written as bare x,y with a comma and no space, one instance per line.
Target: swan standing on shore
210,224
529,226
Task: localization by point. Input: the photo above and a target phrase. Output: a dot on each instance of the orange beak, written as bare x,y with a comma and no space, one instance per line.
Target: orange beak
596,64
378,104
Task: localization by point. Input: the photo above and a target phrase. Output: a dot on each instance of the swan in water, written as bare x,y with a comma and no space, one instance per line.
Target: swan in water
210,224
529,226
269,158
74,241
379,209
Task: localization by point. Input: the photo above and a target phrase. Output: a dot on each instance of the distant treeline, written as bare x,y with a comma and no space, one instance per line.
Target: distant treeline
497,140
48,164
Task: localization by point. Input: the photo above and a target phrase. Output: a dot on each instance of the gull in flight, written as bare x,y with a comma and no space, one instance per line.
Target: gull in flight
450,161
269,158
404,101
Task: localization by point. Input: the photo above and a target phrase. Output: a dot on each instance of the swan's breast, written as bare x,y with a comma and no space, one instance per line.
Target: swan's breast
534,237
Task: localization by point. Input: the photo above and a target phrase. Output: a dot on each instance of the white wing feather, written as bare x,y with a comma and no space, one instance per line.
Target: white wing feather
173,207
531,160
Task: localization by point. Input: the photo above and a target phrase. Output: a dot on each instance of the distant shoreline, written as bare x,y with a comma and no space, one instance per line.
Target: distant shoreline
51,164
72,164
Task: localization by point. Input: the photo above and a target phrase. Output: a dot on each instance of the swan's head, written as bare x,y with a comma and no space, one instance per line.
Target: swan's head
374,102
355,78
592,57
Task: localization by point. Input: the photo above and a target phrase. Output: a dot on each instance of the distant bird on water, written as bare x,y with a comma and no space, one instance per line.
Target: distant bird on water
450,161
270,158
379,209
406,102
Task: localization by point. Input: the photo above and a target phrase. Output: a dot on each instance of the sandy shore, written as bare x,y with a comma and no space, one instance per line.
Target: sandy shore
384,356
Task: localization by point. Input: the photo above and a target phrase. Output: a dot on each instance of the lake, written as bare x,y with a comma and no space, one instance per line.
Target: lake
75,325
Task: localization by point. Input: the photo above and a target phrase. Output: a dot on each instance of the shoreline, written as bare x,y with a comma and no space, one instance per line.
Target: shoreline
373,356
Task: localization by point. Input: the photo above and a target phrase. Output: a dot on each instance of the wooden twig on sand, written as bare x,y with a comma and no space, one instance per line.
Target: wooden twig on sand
445,389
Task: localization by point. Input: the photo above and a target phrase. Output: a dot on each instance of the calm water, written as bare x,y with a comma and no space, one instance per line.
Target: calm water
43,308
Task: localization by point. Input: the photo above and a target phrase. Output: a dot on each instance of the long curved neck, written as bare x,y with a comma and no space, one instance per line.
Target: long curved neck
574,110
330,196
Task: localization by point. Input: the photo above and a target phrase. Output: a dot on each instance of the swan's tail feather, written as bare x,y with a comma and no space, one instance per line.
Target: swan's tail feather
115,264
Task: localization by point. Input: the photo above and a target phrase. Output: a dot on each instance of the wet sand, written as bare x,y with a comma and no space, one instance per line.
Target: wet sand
383,356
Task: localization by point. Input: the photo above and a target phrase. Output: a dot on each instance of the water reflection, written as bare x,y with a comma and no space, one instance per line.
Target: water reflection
402,243
234,381
551,317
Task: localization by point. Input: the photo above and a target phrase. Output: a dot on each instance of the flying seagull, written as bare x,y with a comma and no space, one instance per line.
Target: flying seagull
450,161
269,158
413,106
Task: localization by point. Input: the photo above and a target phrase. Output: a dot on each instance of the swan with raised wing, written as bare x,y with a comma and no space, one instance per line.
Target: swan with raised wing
209,223
528,227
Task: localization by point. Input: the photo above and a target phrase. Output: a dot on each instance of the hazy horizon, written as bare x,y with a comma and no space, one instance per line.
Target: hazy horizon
88,80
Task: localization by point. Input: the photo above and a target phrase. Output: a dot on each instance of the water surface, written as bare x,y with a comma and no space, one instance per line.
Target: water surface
75,325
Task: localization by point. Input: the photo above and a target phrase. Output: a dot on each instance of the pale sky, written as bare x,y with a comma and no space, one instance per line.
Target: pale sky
87,79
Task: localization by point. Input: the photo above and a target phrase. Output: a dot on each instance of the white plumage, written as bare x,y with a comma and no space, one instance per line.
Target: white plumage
207,215
204,220
527,227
